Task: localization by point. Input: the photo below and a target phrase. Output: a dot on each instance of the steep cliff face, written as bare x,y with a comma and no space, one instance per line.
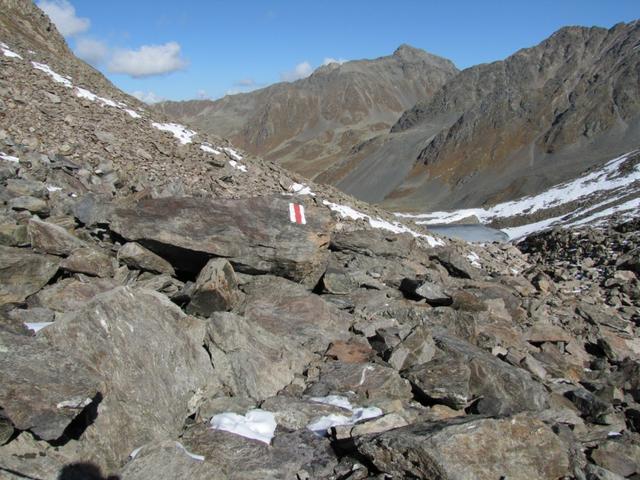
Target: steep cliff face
310,124
513,127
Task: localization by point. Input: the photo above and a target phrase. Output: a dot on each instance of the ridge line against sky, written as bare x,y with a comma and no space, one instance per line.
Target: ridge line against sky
205,49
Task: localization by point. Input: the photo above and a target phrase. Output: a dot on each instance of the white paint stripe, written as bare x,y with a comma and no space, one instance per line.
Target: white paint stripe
302,217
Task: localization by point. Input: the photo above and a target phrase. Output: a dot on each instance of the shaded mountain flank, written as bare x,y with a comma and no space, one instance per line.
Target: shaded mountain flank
492,133
311,124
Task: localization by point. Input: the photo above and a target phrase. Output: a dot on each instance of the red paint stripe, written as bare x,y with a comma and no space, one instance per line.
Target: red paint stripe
296,210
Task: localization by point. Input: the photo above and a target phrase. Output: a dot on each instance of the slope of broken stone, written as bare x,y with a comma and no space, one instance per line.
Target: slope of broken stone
69,294
151,363
518,448
42,388
255,234
23,273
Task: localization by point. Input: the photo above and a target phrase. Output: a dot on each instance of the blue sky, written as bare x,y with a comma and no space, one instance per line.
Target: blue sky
165,49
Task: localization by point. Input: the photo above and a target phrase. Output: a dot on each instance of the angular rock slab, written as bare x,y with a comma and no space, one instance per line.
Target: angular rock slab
216,288
136,256
517,448
42,389
149,356
23,273
474,373
282,326
255,234
50,238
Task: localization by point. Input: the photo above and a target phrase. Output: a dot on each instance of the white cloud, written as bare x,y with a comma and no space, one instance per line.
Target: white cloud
202,95
302,70
329,60
147,97
90,50
148,60
63,15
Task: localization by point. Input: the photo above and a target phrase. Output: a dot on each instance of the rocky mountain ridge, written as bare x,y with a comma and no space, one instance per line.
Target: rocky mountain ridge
312,123
511,128
199,313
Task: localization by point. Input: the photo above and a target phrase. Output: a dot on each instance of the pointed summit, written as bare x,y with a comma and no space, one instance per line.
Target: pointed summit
407,52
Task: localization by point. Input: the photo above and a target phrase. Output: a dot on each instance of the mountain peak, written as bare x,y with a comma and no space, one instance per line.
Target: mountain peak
406,52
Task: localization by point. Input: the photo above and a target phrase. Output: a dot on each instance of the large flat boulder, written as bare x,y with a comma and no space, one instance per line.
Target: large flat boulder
517,448
42,389
255,234
149,357
23,273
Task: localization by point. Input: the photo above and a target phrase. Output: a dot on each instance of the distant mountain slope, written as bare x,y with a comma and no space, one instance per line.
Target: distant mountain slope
310,124
510,128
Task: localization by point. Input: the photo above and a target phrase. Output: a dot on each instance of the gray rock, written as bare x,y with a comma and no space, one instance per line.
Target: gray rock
50,238
136,256
216,289
69,294
254,234
433,293
89,261
370,382
282,325
92,209
619,456
518,448
416,348
476,374
456,264
31,204
149,357
12,235
57,389
23,273
590,406
295,413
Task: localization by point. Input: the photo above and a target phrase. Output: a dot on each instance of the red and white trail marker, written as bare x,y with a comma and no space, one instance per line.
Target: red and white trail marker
296,213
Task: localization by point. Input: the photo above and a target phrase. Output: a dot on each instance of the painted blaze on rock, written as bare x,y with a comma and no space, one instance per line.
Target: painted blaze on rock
254,234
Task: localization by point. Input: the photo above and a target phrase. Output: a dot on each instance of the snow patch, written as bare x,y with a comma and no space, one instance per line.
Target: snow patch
37,326
320,425
56,76
256,424
233,153
207,148
8,53
238,166
199,458
301,189
182,133
9,158
74,403
53,188
347,212
474,259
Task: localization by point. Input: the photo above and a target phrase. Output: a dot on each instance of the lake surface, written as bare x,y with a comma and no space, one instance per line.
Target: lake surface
470,232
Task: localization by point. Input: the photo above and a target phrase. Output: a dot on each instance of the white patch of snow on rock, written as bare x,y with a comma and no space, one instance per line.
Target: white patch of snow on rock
37,326
56,76
301,189
347,212
182,133
256,424
474,259
8,53
233,153
9,158
320,425
53,188
238,166
207,148
199,458
74,403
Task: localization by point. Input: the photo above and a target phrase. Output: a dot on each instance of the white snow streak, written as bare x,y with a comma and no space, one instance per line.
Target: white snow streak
238,166
37,326
8,53
301,189
347,212
9,158
233,153
207,148
256,424
182,133
320,425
